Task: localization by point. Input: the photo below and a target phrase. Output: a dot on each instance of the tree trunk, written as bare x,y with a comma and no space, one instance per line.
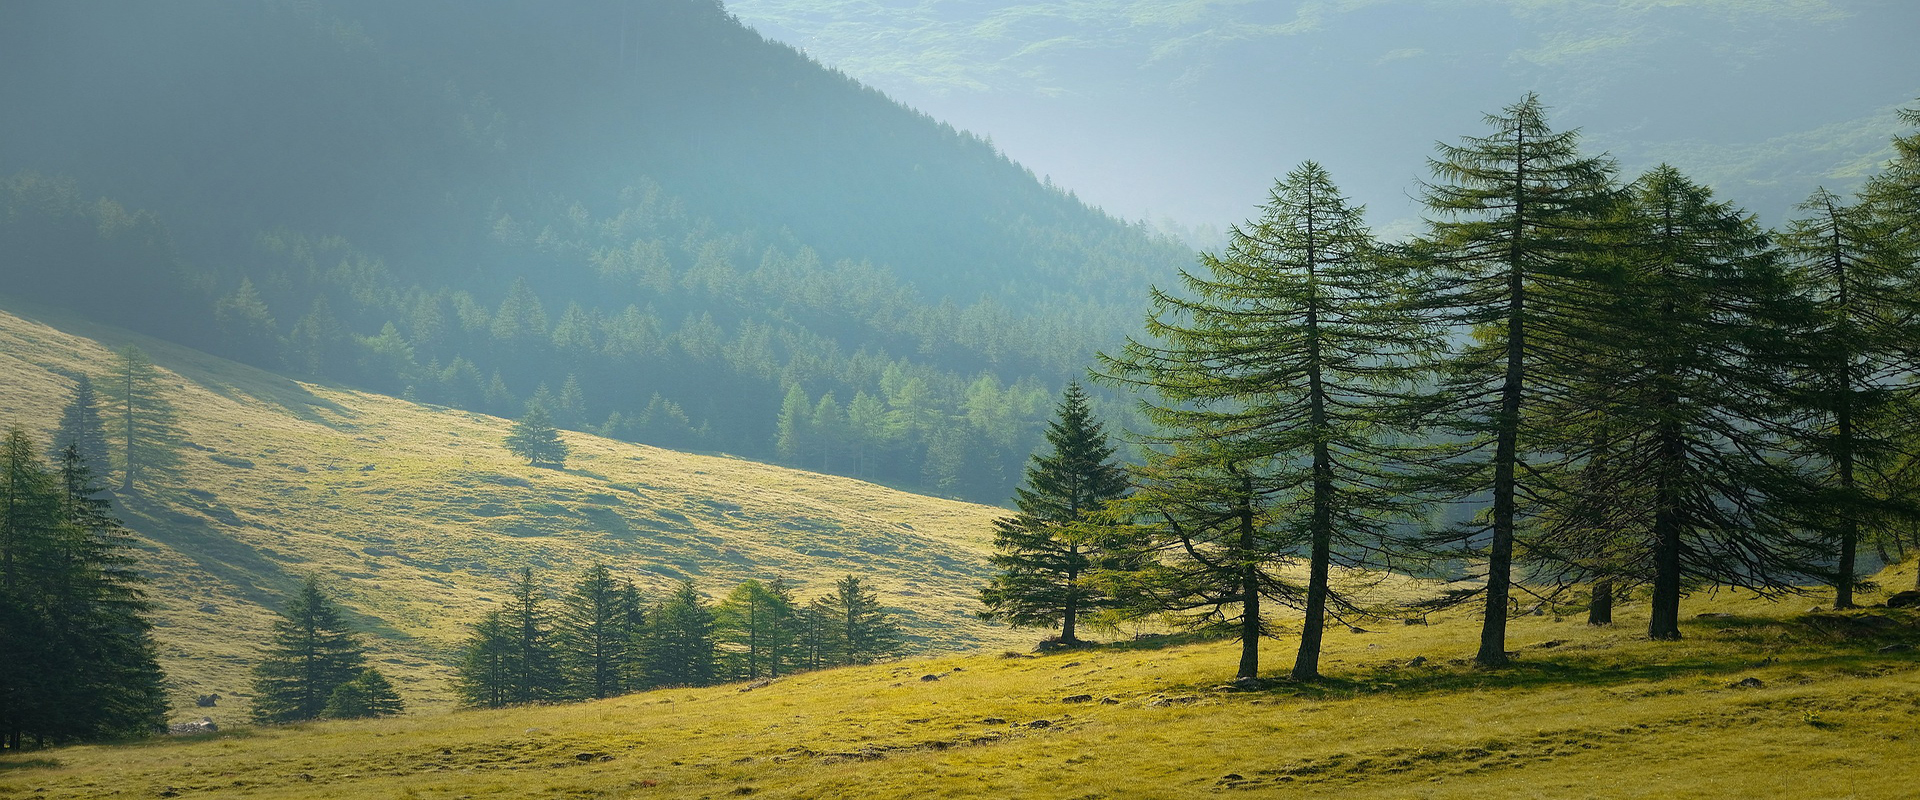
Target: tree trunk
1249,591
1306,663
1600,610
1071,617
1493,630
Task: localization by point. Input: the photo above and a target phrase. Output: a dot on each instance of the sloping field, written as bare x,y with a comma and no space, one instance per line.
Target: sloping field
1758,702
415,516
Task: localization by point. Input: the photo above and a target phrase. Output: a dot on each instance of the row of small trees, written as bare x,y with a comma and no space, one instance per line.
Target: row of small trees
1612,386
604,640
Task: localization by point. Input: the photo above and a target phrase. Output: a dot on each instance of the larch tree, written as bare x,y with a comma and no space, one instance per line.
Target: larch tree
756,622
484,677
1693,345
534,671
1217,555
1867,348
80,659
1290,355
1514,219
1048,552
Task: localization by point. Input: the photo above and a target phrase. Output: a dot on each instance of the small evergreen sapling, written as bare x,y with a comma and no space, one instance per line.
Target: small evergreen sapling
535,439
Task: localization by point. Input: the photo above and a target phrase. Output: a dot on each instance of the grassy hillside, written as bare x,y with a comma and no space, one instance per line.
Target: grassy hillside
414,515
1760,700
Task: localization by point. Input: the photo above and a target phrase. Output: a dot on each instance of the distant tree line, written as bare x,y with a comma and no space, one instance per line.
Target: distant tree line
602,639
1599,386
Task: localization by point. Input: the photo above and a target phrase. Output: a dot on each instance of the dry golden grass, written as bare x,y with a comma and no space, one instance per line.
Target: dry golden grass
1583,713
415,515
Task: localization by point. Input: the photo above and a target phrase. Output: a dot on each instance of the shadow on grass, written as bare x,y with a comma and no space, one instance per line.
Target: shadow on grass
1836,642
9,764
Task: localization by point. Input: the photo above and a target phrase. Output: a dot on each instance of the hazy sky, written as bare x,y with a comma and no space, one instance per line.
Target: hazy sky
1188,108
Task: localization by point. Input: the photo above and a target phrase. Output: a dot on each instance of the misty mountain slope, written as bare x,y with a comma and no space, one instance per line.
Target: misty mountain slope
415,515
1227,95
644,199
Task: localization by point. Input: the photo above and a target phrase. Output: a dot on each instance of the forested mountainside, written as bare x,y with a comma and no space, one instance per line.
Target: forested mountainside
644,216
417,517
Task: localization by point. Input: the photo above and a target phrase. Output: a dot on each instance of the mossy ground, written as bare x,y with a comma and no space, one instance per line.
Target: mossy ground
414,516
1583,712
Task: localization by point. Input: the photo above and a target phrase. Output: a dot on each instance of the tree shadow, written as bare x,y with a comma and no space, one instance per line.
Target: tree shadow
228,379
11,764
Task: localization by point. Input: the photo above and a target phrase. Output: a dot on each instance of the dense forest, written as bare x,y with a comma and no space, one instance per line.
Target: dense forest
646,219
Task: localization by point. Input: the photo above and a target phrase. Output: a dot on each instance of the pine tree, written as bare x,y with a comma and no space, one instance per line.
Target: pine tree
80,657
30,675
756,623
145,427
369,694
485,676
1868,347
312,653
867,631
121,689
1288,354
1048,551
1517,212
680,646
533,668
595,640
81,427
535,439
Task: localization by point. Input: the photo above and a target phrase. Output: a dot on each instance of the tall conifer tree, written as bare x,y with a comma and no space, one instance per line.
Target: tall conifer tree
1049,550
1688,356
757,622
680,644
1516,212
1288,357
867,632
312,653
596,642
1868,349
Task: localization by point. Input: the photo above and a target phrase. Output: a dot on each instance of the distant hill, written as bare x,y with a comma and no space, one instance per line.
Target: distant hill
415,515
646,200
1764,99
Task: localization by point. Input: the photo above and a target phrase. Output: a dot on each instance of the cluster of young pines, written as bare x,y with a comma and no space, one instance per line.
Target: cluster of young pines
1568,383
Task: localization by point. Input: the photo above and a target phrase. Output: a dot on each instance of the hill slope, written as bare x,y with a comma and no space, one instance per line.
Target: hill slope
643,213
415,515
1757,702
